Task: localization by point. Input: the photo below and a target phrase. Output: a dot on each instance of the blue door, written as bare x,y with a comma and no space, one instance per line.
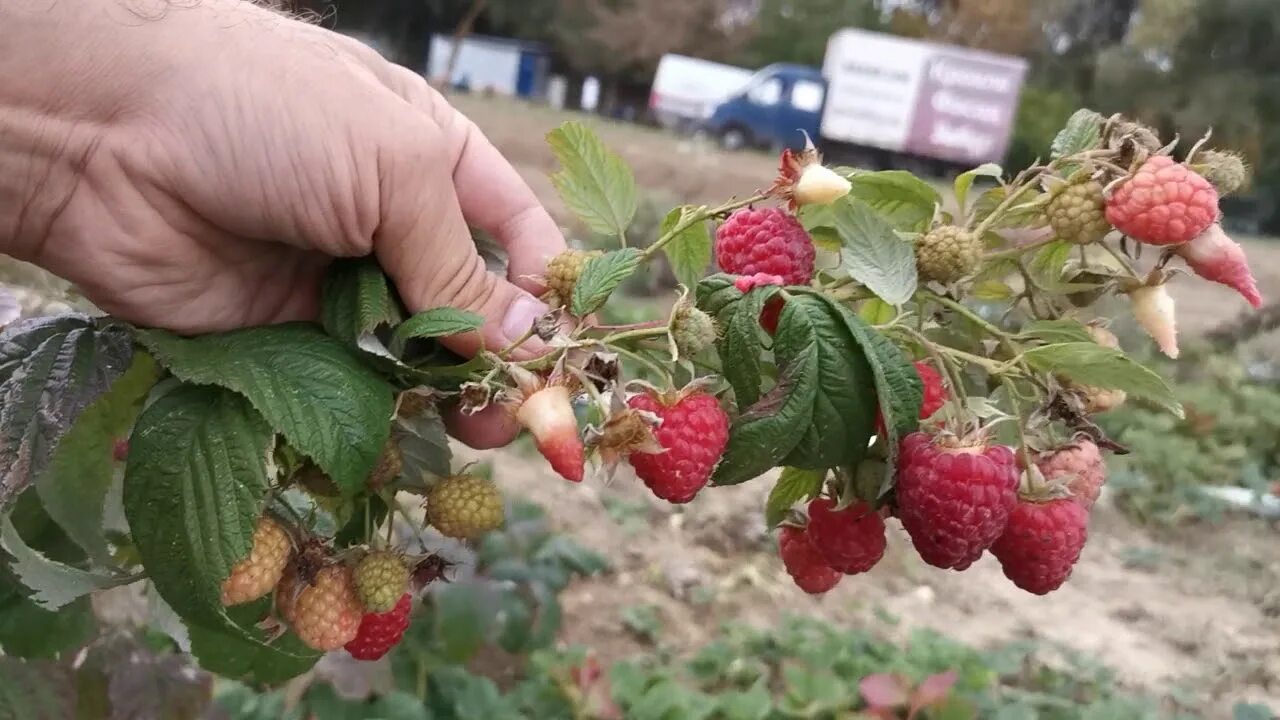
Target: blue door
527,74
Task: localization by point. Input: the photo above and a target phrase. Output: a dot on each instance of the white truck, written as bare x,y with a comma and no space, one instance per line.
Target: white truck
883,99
686,90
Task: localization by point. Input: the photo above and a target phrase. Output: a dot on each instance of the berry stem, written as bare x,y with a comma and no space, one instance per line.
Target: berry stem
647,363
1019,250
1005,338
1124,262
636,334
702,214
505,352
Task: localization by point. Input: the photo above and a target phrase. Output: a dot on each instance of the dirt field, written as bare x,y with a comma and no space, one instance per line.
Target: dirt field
1197,610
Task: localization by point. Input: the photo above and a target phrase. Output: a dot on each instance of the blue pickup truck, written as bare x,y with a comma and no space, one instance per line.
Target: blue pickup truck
881,99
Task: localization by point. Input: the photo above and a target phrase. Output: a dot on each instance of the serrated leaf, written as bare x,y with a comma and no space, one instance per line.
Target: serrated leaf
74,488
992,290
964,181
194,486
601,275
1056,331
899,390
690,250
844,406
53,584
1088,363
1047,266
38,690
905,201
793,486
872,252
764,433
28,630
1028,212
1083,131
739,347
438,322
51,369
594,182
356,299
309,387
241,653
877,312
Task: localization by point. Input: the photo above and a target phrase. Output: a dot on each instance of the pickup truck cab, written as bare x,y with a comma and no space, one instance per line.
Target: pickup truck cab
777,106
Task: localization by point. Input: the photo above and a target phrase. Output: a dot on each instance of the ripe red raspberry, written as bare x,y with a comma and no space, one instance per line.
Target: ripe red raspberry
935,394
1041,543
257,574
954,497
765,240
1164,203
694,433
326,614
804,563
379,632
772,311
851,540
1080,466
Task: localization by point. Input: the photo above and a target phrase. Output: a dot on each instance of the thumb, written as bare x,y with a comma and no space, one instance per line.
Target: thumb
424,244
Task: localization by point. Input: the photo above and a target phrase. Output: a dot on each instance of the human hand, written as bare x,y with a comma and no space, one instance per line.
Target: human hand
196,169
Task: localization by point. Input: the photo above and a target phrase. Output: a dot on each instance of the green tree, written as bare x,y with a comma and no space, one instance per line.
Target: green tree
797,30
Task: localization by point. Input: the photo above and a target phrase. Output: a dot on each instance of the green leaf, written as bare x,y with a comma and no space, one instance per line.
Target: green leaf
54,584
739,347
965,180
873,254
242,654
308,386
1028,212
193,490
690,250
594,182
51,369
39,690
1047,266
74,488
601,275
462,613
793,486
905,201
438,322
356,299
877,312
1056,331
899,390
992,290
844,406
1088,363
764,433
1083,131
28,630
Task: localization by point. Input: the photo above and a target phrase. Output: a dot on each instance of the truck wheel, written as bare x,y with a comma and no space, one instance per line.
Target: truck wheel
734,138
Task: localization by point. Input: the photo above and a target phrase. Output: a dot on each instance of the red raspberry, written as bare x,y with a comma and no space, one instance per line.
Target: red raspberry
1080,466
851,540
1164,203
954,498
935,394
767,240
772,311
804,563
379,632
694,432
1041,543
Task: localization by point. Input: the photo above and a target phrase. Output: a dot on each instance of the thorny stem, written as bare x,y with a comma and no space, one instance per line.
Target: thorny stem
702,214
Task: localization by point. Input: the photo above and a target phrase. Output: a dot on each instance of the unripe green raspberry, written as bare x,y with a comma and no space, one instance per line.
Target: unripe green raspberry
1078,212
380,579
464,507
1226,171
562,274
947,253
692,330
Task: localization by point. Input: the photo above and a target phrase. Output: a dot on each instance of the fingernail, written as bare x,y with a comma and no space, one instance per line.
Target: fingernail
524,311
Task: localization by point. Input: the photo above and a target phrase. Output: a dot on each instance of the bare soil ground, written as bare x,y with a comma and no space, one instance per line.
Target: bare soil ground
1197,609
